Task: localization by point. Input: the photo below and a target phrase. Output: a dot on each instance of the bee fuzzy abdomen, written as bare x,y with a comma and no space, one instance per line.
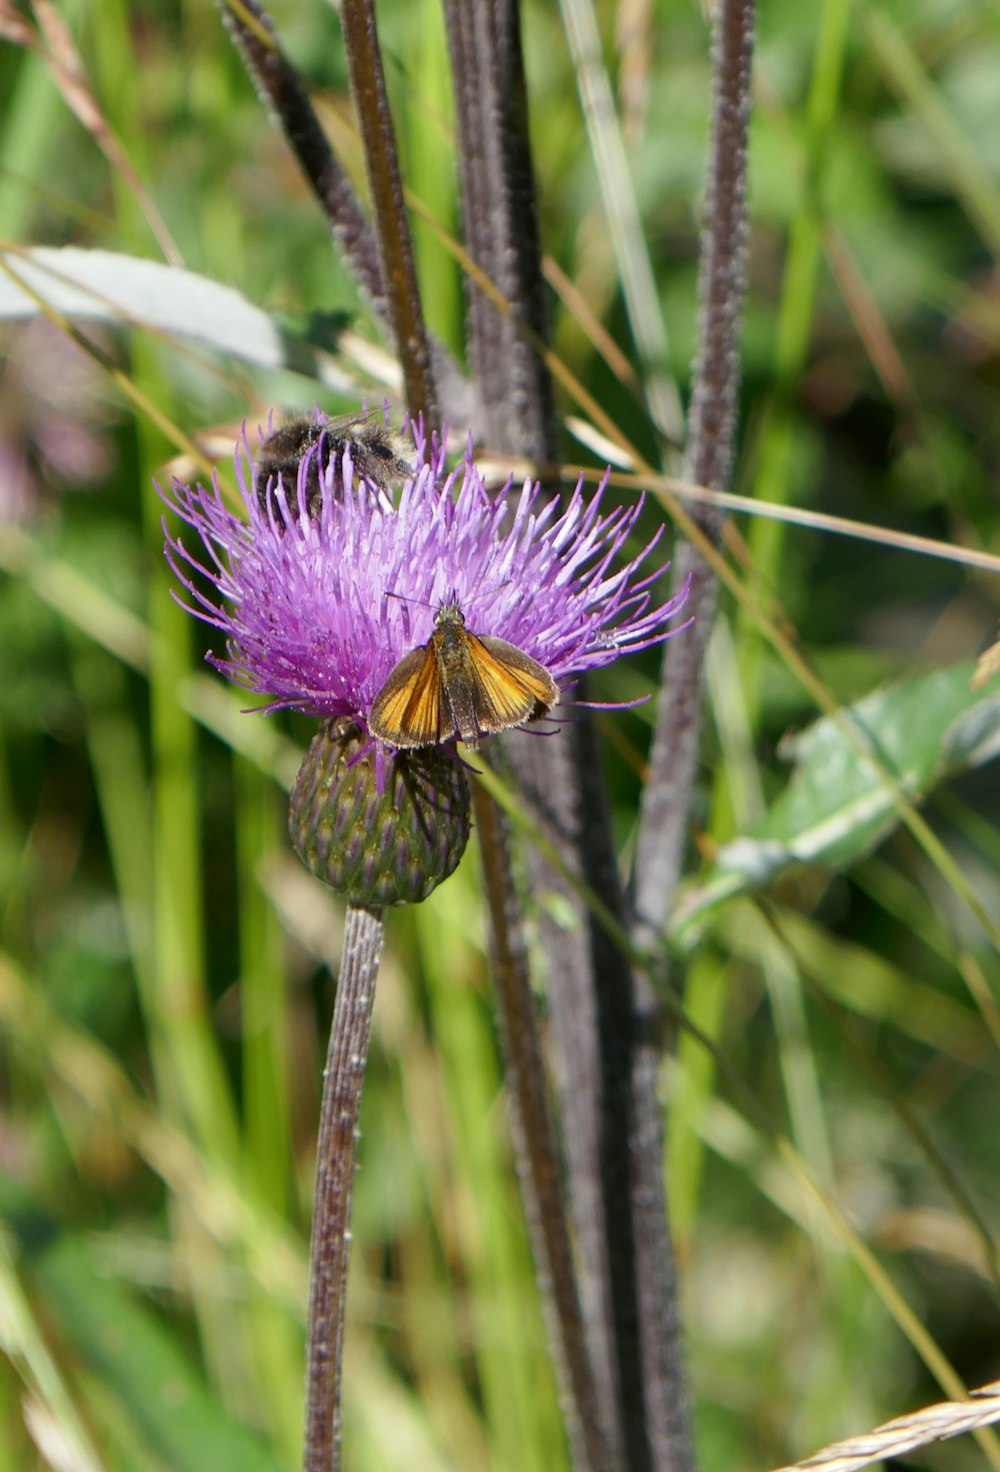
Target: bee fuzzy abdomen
373,450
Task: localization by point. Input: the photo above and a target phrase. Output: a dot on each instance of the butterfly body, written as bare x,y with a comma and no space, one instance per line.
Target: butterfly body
460,684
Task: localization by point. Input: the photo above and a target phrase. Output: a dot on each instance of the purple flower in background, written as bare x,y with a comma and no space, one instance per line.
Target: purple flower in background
55,421
320,601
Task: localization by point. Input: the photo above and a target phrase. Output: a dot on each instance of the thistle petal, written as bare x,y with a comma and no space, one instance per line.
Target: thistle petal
319,602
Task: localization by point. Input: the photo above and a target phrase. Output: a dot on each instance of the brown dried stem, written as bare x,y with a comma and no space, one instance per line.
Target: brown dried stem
371,101
906,1434
280,88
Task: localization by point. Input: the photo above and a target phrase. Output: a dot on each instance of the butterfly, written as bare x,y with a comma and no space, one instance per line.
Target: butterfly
459,684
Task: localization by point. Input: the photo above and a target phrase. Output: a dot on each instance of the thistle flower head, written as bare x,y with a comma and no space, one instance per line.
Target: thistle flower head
379,833
319,598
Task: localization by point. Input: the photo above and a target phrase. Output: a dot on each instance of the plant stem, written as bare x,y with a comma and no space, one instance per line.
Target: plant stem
371,101
500,221
536,1150
667,796
666,800
601,1042
282,90
338,1134
278,83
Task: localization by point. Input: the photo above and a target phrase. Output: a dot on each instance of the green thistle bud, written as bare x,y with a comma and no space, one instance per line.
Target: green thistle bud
388,847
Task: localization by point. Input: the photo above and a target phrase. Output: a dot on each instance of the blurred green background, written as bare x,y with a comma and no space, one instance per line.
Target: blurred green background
165,963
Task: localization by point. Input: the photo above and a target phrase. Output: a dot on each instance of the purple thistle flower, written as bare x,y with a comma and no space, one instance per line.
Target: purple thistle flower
303,598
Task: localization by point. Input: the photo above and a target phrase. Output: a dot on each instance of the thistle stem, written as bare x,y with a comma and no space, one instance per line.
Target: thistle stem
285,94
535,1146
500,221
371,101
279,85
343,1078
714,405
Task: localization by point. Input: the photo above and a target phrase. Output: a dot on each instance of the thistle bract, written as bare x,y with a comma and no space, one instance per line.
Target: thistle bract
379,833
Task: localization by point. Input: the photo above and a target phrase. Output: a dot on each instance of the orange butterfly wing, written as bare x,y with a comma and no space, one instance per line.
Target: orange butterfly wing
460,684
407,709
510,687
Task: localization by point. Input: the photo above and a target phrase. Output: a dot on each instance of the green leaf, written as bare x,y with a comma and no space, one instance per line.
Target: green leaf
148,1373
837,807
121,290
